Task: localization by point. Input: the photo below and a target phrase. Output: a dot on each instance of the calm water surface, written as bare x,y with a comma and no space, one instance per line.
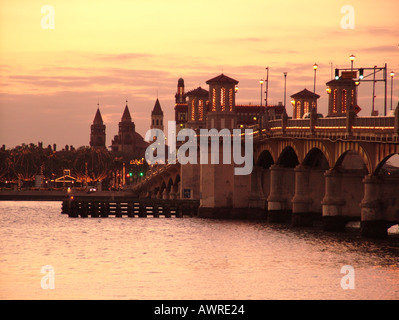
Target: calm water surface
187,258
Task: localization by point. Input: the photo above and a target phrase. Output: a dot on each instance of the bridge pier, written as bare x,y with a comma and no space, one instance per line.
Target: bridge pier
279,200
257,200
343,195
379,207
309,192
333,203
301,203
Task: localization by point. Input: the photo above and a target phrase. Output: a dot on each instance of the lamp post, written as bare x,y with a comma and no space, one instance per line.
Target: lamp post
260,110
391,74
267,85
285,88
314,85
352,58
261,85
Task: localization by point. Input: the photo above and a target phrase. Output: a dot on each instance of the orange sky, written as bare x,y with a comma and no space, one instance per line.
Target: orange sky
110,51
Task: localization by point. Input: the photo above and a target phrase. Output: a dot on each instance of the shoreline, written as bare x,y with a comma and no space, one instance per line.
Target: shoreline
60,195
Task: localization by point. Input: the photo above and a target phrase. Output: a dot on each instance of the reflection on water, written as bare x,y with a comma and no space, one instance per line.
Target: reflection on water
190,258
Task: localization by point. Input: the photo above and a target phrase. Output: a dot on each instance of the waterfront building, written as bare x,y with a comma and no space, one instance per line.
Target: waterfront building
195,112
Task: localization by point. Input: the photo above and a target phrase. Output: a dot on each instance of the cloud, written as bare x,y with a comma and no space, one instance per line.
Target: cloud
381,49
120,56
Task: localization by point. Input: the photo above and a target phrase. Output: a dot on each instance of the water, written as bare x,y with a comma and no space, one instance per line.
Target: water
189,258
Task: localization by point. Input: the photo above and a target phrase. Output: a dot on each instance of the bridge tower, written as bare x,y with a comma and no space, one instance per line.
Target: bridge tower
303,103
342,94
197,108
222,111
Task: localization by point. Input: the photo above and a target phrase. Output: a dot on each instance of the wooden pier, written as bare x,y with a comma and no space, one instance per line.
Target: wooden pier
102,208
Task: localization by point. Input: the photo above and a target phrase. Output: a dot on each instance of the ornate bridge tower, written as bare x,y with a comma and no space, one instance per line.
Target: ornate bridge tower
222,111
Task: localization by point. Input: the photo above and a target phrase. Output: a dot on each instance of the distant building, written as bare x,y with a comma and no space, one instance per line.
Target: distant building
128,141
97,131
192,109
303,102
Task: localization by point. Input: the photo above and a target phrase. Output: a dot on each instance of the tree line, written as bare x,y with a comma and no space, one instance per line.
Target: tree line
24,162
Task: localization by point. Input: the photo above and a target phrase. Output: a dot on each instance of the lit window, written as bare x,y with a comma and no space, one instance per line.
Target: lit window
193,110
335,100
306,107
231,99
201,110
223,99
213,100
344,100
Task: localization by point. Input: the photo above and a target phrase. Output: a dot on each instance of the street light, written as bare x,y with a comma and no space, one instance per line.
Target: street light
391,74
285,88
314,84
261,85
352,58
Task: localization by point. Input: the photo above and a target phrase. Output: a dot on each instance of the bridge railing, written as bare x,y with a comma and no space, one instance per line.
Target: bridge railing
349,127
331,123
374,122
275,124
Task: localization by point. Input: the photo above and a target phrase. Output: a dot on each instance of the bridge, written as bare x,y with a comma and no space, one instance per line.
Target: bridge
303,170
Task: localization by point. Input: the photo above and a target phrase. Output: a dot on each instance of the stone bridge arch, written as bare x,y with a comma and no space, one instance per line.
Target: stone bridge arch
296,147
342,149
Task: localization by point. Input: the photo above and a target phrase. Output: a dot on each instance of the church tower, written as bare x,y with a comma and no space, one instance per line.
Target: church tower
180,106
180,97
222,111
157,116
97,131
124,141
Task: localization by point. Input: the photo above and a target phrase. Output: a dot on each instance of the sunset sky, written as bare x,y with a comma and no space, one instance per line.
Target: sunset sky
108,51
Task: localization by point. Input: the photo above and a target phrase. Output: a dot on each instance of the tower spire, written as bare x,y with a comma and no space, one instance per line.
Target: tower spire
126,114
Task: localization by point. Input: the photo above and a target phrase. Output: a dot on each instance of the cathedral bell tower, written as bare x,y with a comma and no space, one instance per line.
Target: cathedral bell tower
157,117
97,131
